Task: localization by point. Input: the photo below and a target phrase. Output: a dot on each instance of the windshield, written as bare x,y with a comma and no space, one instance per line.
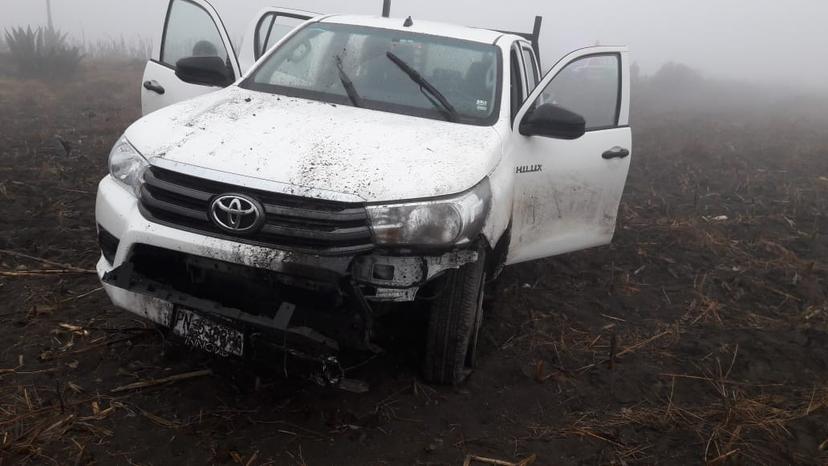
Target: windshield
393,71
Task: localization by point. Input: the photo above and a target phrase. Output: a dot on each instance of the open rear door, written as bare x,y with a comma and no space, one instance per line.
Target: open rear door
567,191
266,30
192,28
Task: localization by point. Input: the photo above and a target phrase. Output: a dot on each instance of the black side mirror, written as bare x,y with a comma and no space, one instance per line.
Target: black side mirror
552,121
204,71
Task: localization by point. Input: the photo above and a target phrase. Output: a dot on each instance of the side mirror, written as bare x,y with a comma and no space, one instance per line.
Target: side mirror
552,121
204,71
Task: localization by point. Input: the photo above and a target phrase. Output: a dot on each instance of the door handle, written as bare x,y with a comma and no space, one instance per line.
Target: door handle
616,153
154,87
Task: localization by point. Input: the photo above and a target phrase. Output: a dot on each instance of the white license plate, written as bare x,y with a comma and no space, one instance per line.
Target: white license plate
207,335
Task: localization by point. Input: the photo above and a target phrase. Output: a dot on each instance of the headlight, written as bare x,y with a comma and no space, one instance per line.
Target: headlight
126,165
442,222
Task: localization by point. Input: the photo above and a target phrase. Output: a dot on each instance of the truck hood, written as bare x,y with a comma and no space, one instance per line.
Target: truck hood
318,149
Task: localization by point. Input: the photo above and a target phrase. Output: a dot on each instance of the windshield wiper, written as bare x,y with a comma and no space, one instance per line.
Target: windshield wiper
353,95
439,100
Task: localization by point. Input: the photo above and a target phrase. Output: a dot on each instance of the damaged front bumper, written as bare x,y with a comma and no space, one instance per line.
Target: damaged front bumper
309,306
399,279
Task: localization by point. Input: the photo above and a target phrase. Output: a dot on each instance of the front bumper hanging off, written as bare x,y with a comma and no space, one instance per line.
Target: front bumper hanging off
312,315
312,307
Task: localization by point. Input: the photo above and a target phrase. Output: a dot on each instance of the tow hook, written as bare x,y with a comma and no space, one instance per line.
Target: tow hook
330,373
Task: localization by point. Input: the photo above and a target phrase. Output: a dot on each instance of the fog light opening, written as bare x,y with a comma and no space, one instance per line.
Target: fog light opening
109,244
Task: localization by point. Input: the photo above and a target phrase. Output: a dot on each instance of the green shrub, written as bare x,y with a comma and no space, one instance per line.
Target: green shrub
42,52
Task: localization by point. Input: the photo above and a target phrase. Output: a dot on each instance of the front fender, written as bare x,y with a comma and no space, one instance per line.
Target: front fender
501,181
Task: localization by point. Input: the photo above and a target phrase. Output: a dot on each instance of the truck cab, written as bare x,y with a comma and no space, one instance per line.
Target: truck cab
287,194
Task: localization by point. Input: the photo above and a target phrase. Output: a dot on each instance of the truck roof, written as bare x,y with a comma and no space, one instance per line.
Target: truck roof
423,27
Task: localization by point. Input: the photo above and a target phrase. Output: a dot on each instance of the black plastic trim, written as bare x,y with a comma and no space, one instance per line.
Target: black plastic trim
108,244
151,180
348,215
343,234
150,200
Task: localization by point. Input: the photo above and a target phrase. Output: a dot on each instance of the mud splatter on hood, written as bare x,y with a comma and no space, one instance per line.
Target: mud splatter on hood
374,155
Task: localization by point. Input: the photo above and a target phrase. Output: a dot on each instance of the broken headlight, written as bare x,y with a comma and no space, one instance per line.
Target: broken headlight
127,165
449,221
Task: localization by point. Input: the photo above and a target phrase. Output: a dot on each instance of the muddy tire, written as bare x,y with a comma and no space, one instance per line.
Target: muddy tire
454,324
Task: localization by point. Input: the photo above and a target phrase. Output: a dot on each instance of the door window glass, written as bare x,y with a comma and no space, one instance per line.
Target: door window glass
190,32
518,93
271,29
589,86
531,69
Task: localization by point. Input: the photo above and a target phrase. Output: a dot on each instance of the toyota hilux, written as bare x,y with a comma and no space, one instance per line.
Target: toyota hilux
290,193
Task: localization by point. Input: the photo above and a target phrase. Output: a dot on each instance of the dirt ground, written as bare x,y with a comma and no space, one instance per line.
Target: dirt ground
699,336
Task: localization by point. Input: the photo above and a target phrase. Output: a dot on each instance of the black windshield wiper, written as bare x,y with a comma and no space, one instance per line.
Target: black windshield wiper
353,95
439,100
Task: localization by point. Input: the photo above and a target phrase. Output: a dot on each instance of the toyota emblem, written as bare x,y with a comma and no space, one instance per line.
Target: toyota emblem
236,213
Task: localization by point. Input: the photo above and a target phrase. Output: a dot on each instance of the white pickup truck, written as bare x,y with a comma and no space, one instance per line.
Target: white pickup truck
287,194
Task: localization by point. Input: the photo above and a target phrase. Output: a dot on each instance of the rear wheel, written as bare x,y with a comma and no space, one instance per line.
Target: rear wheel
454,324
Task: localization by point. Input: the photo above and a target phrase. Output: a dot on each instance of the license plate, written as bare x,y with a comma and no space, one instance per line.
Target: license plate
207,335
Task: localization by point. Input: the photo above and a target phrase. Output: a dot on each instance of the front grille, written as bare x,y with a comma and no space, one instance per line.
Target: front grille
292,222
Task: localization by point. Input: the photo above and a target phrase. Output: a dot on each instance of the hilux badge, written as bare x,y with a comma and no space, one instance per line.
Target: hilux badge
236,213
529,169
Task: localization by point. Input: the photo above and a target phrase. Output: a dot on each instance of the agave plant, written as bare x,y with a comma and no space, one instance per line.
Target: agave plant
42,52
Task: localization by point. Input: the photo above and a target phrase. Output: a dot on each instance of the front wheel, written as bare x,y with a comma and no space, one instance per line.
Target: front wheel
454,324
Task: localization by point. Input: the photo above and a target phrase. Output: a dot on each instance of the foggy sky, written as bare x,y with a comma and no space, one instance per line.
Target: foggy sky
757,40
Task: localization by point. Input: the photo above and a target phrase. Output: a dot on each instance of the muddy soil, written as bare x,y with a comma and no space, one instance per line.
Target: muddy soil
700,335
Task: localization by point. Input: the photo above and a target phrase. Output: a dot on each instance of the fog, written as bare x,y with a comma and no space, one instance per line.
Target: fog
761,41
